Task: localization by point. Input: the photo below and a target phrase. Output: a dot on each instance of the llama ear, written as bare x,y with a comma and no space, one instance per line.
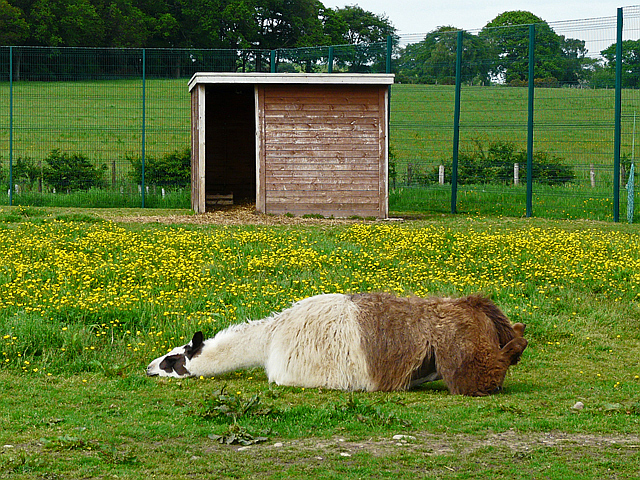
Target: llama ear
197,340
519,329
193,348
513,350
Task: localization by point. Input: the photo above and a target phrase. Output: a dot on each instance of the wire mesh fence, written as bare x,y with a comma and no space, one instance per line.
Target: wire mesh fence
565,121
468,131
81,125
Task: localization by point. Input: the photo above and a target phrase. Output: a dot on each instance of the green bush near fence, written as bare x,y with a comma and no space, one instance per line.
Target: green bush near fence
72,171
28,171
61,171
172,169
494,164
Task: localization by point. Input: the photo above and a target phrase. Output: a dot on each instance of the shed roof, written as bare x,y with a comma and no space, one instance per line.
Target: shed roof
292,78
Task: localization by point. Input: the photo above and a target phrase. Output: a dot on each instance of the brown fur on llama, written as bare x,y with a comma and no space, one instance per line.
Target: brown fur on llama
368,341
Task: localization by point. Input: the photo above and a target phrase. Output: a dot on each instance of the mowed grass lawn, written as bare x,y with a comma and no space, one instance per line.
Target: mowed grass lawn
103,119
85,304
575,124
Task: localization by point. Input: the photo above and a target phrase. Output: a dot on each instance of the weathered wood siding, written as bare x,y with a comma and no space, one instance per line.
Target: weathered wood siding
323,149
197,150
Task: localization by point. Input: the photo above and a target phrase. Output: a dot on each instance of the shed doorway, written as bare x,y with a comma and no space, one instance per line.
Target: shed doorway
230,171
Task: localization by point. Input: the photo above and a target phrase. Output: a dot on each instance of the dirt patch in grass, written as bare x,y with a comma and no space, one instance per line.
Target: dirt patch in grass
430,444
232,215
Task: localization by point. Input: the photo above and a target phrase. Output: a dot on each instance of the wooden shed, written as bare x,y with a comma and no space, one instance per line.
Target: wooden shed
293,143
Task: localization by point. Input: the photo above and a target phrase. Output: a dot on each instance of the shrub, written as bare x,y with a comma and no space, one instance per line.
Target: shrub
72,171
547,82
494,164
549,169
172,169
26,169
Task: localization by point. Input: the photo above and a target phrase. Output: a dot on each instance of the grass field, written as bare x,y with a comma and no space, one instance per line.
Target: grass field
85,304
576,124
103,119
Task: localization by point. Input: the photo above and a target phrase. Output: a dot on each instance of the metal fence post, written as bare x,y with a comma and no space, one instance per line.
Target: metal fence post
330,61
272,61
10,126
389,48
617,124
532,40
456,126
144,111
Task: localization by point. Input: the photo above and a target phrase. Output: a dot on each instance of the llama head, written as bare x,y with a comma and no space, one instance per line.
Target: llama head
507,356
486,374
176,362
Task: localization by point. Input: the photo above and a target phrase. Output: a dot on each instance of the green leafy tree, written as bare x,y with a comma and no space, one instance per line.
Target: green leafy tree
126,25
361,26
358,28
509,47
577,67
214,24
14,29
288,23
228,24
433,60
69,23
630,63
334,26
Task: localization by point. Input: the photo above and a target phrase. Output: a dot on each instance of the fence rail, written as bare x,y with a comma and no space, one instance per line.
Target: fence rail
110,127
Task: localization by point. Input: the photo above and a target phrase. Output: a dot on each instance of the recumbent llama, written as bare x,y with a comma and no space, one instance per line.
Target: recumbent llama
368,341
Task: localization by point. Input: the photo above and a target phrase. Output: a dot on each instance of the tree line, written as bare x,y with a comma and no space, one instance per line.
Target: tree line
211,24
500,53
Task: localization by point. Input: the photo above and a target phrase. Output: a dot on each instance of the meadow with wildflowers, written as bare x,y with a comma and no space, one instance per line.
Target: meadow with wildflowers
86,303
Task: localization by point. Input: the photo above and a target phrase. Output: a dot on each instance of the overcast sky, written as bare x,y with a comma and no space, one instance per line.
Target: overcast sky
423,16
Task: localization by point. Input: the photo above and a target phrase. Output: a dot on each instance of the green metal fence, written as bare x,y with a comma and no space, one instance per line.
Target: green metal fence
110,127
471,131
471,140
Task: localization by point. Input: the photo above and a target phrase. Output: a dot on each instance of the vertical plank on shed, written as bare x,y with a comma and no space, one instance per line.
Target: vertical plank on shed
198,193
383,102
197,149
194,149
261,192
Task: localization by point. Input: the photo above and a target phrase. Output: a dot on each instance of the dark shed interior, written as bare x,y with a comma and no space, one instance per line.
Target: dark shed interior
230,133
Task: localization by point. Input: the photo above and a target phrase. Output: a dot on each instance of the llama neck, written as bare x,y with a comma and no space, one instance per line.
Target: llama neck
237,347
